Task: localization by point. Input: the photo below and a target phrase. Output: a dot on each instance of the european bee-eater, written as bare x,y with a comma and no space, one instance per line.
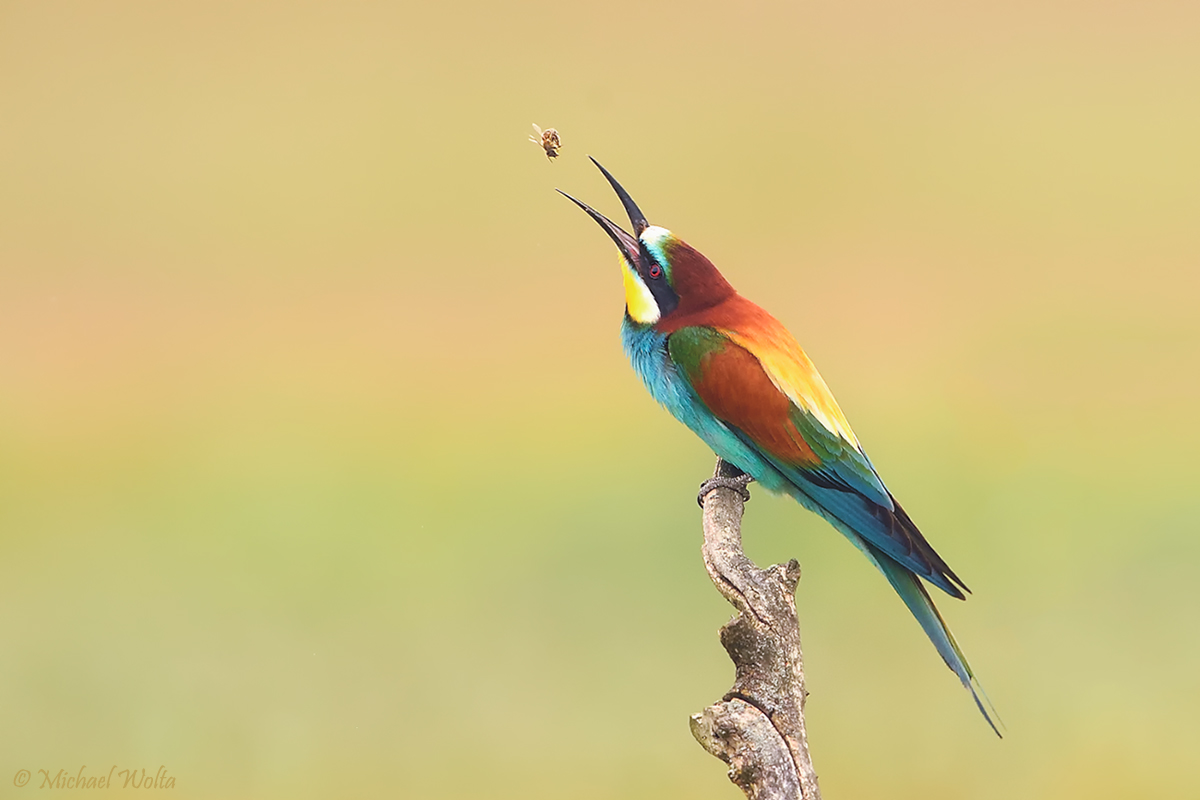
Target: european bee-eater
733,374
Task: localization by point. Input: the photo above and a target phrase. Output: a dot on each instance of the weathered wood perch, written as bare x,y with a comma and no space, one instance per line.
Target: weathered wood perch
758,726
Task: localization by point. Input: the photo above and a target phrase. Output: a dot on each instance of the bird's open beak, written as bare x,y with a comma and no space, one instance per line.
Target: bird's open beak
636,218
627,244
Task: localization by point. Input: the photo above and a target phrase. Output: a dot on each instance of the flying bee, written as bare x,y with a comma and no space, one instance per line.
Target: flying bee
548,139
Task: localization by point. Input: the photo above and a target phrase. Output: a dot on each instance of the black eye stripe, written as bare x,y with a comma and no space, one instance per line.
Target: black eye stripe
654,269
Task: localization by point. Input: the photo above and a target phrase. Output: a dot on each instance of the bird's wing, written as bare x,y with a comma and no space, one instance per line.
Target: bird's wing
777,399
772,397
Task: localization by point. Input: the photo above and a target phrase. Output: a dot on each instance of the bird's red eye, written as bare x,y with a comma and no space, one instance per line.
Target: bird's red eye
655,271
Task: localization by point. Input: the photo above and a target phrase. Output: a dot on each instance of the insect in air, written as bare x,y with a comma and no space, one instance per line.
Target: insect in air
548,139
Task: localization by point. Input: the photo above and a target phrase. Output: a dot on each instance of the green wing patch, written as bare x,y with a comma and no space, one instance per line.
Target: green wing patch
688,347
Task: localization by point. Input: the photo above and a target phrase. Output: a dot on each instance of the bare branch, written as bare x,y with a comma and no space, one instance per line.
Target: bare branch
758,727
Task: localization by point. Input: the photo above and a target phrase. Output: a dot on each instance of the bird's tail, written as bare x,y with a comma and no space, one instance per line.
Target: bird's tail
913,593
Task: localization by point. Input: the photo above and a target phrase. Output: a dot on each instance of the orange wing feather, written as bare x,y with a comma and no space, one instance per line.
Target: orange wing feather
781,357
735,388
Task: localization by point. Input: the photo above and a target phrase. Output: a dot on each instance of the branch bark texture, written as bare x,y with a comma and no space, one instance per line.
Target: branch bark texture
758,726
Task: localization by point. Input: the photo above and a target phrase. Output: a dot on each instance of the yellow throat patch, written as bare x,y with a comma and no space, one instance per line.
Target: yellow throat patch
638,300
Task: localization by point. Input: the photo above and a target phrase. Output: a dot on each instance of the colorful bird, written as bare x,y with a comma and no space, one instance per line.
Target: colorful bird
733,374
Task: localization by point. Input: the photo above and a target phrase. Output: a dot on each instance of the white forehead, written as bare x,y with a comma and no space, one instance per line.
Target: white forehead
654,238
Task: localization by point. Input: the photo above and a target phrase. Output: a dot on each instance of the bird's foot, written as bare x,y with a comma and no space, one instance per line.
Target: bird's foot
736,483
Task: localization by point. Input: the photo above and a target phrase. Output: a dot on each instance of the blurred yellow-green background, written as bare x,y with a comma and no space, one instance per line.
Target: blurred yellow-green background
322,473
